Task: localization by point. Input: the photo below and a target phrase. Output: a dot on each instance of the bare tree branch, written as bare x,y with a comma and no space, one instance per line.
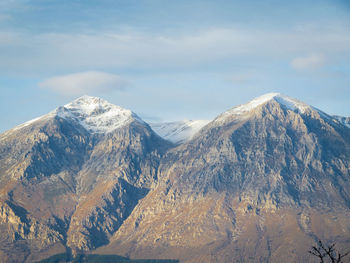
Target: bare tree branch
323,252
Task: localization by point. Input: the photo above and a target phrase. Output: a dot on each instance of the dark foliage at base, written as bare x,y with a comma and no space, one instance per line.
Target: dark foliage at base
101,259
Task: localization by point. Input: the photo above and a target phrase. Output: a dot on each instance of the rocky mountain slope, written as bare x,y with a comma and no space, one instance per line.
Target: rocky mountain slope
343,120
70,178
260,183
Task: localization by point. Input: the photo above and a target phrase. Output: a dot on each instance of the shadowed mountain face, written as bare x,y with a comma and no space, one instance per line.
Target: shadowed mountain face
64,183
269,153
260,183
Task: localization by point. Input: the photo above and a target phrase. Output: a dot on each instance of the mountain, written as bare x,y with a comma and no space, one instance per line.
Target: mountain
260,183
70,178
343,120
178,131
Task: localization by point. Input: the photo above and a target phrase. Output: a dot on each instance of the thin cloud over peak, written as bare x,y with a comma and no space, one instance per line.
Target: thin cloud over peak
310,62
84,83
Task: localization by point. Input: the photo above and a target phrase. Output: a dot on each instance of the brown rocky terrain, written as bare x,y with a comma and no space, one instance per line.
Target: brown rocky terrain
63,187
260,183
258,186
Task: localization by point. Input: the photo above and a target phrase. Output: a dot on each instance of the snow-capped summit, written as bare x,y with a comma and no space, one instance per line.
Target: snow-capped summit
178,131
290,103
96,115
287,101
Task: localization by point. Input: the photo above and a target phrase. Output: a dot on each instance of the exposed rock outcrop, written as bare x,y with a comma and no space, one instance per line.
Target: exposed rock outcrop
260,183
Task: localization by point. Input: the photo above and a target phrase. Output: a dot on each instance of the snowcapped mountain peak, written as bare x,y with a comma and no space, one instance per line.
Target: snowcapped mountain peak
178,131
87,100
288,102
291,103
89,105
96,115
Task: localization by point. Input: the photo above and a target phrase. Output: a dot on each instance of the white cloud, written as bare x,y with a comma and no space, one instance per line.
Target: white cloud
8,38
310,62
139,51
83,83
4,17
240,77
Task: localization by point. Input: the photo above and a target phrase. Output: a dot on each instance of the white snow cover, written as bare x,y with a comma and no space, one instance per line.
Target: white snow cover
27,123
96,115
343,120
178,131
288,102
100,116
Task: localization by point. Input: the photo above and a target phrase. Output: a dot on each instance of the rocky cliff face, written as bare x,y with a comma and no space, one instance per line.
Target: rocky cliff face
121,169
65,184
255,185
270,153
260,183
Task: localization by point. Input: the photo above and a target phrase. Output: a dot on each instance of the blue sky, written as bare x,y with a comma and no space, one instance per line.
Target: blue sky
171,60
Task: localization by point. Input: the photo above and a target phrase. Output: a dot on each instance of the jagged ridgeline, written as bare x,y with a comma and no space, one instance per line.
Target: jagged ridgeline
259,183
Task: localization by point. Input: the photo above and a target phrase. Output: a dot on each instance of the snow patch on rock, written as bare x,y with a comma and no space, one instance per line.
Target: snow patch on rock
96,115
27,123
178,131
288,102
343,120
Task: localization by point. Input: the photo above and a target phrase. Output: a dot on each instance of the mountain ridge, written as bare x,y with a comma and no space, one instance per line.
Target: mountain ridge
176,131
229,185
75,183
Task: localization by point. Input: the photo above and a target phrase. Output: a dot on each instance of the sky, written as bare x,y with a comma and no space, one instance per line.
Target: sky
171,60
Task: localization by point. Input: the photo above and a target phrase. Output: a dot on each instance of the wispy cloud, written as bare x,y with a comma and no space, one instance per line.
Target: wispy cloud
4,17
136,50
240,77
83,83
10,4
310,62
